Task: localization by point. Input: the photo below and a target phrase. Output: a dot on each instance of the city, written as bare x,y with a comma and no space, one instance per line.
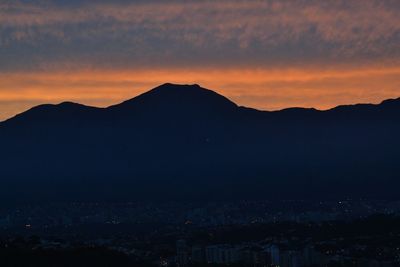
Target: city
245,233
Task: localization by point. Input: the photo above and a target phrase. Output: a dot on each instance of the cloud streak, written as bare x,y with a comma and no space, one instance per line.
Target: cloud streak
217,32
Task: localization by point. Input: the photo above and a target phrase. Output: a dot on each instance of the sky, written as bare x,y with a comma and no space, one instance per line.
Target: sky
263,54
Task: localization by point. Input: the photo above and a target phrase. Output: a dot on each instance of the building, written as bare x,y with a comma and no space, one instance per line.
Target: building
273,252
290,258
198,254
222,254
182,253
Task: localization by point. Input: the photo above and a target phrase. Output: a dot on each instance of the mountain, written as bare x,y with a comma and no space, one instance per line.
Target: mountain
188,142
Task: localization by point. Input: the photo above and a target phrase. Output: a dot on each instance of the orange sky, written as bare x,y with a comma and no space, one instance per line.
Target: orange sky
268,54
267,89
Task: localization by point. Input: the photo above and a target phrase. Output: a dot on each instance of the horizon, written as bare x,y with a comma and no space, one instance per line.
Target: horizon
191,85
267,55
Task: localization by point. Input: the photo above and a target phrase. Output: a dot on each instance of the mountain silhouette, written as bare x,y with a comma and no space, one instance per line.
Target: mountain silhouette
176,98
188,142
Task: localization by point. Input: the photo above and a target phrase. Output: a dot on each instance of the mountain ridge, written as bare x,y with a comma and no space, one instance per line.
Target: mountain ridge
163,89
148,148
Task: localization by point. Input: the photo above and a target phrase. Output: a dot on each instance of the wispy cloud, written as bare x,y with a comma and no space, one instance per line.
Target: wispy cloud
217,32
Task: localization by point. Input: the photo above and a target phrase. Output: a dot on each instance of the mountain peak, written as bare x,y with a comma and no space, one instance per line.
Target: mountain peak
171,88
177,85
174,98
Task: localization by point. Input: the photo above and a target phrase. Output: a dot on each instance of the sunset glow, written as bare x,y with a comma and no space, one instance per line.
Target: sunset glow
262,54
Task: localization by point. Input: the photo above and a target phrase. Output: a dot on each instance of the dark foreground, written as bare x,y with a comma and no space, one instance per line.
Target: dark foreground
374,241
343,233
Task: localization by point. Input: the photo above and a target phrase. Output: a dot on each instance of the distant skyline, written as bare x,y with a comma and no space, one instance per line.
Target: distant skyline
263,54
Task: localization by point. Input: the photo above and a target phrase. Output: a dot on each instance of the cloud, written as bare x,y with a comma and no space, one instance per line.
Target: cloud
131,33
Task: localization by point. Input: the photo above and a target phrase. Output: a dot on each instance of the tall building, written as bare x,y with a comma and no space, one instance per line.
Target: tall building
273,252
290,258
198,254
182,253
